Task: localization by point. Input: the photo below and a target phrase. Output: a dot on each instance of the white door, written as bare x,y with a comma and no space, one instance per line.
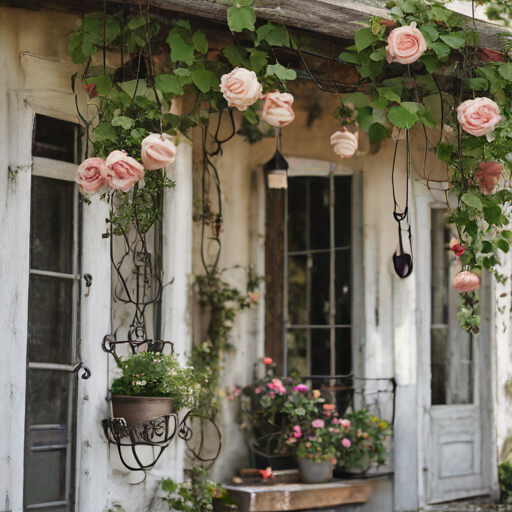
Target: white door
454,455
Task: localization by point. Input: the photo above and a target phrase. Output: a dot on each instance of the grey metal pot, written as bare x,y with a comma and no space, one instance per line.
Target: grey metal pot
314,472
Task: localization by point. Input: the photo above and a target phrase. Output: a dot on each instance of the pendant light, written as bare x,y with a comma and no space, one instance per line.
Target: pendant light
276,169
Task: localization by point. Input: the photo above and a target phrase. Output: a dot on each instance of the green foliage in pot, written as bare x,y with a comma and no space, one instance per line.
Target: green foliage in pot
157,375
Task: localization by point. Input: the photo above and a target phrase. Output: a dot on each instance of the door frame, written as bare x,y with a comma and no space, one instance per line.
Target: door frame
484,352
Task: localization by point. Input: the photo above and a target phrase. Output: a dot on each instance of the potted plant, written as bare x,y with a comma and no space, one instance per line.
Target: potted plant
152,385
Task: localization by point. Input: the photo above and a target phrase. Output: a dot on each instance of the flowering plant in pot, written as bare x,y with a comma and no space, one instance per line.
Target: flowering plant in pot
152,385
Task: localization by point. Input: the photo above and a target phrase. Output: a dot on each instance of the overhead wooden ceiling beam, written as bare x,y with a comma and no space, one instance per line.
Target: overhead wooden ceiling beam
336,18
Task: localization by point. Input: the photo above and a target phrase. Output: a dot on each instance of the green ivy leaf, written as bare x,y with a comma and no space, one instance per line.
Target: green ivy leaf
104,131
454,41
402,118
377,133
200,42
472,200
351,58
201,79
240,18
358,99
442,50
258,60
180,50
103,83
364,37
274,35
281,72
478,84
123,121
168,84
505,70
235,54
136,22
429,33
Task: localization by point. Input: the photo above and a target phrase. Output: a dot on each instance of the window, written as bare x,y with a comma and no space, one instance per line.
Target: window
318,260
451,348
52,318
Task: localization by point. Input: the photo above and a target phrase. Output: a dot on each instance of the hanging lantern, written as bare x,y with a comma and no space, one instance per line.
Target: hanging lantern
276,169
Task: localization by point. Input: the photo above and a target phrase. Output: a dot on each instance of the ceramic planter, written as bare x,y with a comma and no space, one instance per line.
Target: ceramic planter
314,472
138,409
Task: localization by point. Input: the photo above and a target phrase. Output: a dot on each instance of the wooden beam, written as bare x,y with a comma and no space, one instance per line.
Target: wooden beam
336,18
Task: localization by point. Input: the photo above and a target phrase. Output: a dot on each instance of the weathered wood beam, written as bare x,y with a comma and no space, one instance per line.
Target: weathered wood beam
337,18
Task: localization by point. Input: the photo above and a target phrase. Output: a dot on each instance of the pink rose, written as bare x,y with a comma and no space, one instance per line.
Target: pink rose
478,116
301,388
346,443
457,248
344,143
466,281
157,151
278,386
277,109
92,174
297,432
318,423
344,423
257,391
405,45
240,88
487,176
123,171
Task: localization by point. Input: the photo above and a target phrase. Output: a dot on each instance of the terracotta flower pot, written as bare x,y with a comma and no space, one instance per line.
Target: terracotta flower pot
314,472
138,409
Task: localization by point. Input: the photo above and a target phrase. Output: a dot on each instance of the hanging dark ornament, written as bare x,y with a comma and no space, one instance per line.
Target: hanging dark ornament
276,169
401,260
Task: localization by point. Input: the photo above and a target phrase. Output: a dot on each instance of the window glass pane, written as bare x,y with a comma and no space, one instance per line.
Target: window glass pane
320,352
343,211
319,213
297,290
55,139
343,351
342,288
451,347
51,231
320,285
45,478
297,214
47,397
50,319
297,340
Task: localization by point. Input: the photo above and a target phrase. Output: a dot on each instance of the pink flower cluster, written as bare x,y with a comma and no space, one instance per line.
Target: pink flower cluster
318,423
297,432
342,423
277,386
301,388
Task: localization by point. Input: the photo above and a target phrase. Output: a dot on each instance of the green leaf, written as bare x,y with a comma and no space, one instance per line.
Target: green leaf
136,22
427,119
412,106
258,60
123,121
429,33
505,70
168,84
180,50
378,132
182,71
78,56
390,95
454,41
275,35
472,200
487,247
251,116
349,57
492,214
200,42
281,72
364,37
502,244
104,131
240,18
235,54
365,118
376,56
431,62
442,50
300,411
103,83
358,99
478,84
402,118
201,79
112,29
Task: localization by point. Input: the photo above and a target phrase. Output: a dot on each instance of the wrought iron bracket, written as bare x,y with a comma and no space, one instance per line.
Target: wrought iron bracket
81,366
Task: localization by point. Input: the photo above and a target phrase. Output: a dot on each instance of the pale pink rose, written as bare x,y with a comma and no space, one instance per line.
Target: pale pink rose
277,109
92,174
466,281
344,143
240,88
344,423
157,151
405,45
318,423
123,171
346,443
487,176
478,116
